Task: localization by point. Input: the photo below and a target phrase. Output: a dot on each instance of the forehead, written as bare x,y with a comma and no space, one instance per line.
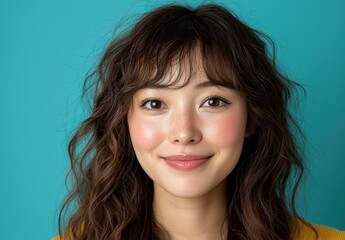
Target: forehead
184,72
192,65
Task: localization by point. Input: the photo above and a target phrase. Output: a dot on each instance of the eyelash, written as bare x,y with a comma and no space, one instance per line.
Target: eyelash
144,102
224,102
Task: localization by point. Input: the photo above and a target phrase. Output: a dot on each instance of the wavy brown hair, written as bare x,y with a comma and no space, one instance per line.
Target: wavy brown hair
112,195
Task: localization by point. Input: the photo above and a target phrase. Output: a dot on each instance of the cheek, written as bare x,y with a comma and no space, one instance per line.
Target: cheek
144,135
228,130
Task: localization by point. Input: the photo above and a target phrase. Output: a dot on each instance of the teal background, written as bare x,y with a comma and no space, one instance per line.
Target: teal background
47,47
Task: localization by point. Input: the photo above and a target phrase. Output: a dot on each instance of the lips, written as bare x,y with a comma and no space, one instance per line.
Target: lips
186,162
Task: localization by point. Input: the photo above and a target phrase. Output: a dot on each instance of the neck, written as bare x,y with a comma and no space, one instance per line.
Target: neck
201,217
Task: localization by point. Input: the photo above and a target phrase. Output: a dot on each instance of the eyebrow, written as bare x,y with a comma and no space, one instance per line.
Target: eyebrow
206,84
198,86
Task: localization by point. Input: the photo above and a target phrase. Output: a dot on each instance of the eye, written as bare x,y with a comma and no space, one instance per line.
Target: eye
215,102
152,104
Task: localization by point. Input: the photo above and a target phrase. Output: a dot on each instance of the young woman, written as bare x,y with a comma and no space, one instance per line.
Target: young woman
189,137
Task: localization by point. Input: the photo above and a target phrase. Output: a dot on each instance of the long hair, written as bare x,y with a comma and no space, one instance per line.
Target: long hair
112,194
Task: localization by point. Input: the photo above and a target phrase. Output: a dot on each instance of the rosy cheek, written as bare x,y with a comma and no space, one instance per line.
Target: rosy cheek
143,135
229,130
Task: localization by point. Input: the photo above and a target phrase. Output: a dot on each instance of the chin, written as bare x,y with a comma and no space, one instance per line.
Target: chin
192,190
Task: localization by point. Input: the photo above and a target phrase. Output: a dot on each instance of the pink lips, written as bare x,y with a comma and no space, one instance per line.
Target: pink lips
186,162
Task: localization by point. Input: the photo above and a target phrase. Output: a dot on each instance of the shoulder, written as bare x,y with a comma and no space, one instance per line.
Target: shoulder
304,232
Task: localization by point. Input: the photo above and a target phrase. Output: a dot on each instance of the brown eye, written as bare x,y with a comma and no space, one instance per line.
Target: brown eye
215,102
152,104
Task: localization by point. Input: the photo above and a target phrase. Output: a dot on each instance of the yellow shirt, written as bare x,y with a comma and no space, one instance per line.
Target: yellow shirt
325,233
305,233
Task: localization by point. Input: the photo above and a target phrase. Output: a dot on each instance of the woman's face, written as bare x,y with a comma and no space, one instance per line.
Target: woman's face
189,139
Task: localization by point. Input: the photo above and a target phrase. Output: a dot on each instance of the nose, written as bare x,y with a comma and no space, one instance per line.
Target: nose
184,129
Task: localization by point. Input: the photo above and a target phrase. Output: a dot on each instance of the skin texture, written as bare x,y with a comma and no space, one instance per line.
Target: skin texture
208,121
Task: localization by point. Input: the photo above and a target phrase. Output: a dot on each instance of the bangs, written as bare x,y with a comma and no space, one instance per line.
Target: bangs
174,49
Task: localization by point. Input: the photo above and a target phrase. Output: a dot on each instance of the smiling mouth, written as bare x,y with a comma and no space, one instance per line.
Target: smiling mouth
187,162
